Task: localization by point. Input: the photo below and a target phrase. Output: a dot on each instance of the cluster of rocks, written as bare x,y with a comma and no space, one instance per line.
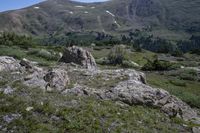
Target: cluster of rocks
132,91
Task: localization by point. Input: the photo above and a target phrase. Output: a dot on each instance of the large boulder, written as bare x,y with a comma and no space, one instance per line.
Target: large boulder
9,64
79,56
56,79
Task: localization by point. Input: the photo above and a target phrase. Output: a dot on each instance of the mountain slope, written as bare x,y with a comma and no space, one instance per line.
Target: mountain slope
115,16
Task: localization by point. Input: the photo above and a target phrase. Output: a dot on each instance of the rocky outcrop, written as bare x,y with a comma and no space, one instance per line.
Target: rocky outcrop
131,87
79,56
9,64
134,91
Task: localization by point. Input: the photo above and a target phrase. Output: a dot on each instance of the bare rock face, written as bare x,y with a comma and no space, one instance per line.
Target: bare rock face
8,64
56,79
79,56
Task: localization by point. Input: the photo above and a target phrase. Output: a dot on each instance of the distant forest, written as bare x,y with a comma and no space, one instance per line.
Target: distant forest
137,39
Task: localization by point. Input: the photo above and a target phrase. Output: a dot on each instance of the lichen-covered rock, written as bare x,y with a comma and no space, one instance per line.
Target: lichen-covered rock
35,79
26,63
8,64
56,79
79,56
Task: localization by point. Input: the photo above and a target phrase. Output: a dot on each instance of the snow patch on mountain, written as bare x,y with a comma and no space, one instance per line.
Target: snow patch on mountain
36,7
110,13
114,20
79,6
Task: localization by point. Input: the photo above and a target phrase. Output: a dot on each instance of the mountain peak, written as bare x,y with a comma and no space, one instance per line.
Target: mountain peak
115,16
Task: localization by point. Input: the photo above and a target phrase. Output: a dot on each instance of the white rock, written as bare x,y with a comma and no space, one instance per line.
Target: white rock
9,64
8,90
36,7
29,109
79,6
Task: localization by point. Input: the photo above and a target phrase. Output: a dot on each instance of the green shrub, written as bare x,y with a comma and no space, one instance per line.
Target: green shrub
188,75
13,51
117,55
10,39
156,65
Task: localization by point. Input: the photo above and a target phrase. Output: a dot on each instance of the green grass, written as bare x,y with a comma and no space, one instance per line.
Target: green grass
63,113
20,53
138,57
188,91
14,51
100,82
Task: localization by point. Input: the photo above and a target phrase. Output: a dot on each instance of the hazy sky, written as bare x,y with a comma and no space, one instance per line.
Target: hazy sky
16,4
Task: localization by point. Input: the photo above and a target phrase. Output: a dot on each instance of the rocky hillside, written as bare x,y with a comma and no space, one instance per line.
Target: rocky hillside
116,16
78,97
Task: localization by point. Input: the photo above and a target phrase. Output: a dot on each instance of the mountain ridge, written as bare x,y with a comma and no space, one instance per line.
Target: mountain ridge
114,17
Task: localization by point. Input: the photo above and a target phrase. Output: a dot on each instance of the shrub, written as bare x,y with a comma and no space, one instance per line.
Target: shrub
117,55
10,39
156,65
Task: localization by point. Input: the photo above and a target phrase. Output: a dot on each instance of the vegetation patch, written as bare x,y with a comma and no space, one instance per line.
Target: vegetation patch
188,91
54,112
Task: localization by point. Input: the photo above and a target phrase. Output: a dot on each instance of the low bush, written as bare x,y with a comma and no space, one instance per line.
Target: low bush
12,39
117,55
188,75
156,65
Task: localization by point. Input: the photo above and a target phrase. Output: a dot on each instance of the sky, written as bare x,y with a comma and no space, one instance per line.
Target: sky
17,4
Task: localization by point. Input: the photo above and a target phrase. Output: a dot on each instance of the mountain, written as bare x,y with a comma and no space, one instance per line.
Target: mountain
168,17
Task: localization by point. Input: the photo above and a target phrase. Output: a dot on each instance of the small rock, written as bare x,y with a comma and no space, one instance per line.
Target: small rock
9,64
26,63
196,129
10,118
8,90
56,79
29,109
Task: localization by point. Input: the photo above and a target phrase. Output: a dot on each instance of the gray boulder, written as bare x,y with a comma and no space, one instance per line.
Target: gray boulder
9,64
56,79
79,56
